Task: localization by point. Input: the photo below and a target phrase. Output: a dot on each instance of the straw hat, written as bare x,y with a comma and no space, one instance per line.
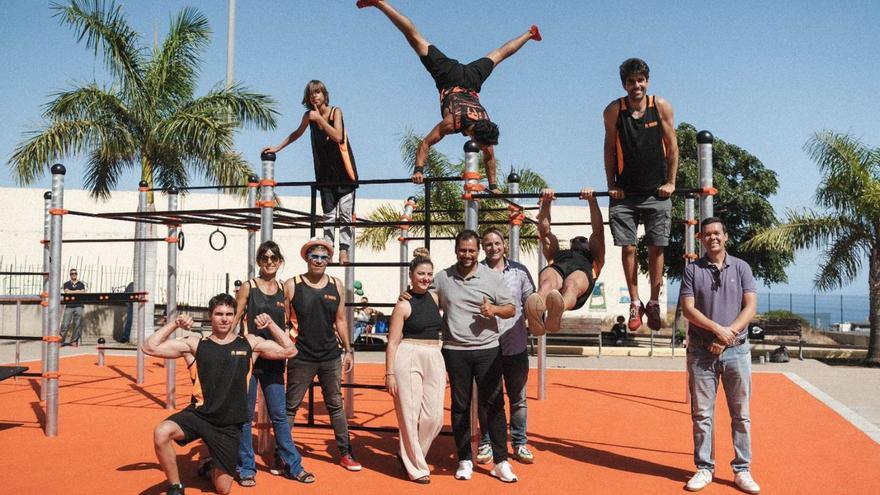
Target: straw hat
315,241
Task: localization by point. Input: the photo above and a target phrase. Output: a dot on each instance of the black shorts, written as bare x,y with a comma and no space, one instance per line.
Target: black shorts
222,441
448,72
566,268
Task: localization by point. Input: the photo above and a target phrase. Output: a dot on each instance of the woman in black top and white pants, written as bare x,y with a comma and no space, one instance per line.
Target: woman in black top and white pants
415,373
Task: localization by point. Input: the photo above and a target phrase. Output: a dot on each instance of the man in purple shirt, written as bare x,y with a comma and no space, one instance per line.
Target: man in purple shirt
718,298
514,348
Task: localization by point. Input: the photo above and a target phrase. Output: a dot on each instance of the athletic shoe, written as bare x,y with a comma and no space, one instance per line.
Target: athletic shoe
503,472
555,308
348,462
700,480
636,312
535,314
484,453
652,310
523,454
175,489
206,468
743,480
366,3
536,35
278,467
465,470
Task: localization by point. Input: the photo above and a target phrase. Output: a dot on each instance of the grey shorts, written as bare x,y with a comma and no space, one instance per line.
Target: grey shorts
654,213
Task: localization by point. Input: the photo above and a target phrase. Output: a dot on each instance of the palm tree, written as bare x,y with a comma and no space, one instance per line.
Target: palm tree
446,201
848,228
147,118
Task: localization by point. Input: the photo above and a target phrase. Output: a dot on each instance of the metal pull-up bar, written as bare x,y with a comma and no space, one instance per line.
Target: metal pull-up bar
708,191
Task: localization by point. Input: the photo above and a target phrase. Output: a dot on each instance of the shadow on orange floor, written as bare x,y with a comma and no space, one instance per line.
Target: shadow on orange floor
599,431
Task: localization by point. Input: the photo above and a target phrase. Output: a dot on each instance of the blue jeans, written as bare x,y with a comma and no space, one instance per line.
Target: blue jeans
274,394
734,369
515,369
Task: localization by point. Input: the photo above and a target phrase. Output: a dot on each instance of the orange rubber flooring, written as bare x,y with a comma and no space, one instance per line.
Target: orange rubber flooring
615,432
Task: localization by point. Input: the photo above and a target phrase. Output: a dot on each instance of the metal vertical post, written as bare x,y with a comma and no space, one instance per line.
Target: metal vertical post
253,183
704,158
230,45
408,208
427,209
18,332
171,302
267,196
542,344
348,392
54,338
44,346
515,219
141,283
471,184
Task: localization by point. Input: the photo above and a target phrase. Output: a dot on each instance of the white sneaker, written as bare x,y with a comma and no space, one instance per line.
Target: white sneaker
484,454
700,480
465,470
503,472
743,480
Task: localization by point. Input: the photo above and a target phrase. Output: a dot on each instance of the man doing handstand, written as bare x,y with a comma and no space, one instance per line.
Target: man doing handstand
568,279
459,87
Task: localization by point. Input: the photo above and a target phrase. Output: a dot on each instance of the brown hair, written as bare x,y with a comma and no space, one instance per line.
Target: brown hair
311,87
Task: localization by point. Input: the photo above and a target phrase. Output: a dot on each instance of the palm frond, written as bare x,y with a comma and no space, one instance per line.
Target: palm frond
843,260
103,169
801,230
31,158
200,131
246,108
88,102
102,26
174,68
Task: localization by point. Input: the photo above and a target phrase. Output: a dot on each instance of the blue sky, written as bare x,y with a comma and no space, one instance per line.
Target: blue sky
762,75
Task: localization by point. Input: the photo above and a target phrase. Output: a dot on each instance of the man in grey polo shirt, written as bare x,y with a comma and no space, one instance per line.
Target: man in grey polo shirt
514,348
718,298
473,297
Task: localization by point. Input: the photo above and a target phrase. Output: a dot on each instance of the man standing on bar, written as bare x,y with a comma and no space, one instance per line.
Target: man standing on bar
718,298
641,162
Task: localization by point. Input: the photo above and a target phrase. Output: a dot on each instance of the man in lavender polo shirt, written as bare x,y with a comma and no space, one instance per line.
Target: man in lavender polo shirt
514,348
718,298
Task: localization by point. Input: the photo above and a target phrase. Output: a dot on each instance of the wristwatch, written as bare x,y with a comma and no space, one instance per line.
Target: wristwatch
348,351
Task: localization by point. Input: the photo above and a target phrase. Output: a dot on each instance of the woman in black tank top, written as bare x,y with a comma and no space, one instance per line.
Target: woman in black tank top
265,295
415,372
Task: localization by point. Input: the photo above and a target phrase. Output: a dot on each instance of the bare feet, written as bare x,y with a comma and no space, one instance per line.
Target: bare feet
343,256
535,314
536,35
555,308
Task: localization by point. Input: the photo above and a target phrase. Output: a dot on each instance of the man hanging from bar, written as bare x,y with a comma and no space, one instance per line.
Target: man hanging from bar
568,280
459,87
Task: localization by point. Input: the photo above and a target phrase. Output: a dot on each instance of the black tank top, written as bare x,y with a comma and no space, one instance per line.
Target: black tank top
424,320
315,313
220,376
641,154
334,162
464,105
257,303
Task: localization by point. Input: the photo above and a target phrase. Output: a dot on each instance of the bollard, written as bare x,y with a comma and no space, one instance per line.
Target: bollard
101,343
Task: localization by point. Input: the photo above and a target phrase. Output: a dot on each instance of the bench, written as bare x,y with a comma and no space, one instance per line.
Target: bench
573,330
784,327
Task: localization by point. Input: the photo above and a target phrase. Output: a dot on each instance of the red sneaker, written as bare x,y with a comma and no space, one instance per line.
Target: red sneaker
536,35
652,310
636,312
366,3
348,462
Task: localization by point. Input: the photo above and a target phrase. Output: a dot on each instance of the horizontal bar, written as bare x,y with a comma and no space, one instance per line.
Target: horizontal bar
196,188
355,264
135,239
20,337
369,304
30,298
535,195
103,297
407,180
42,274
115,348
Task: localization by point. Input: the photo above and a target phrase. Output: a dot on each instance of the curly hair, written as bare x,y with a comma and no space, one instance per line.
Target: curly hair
486,132
632,66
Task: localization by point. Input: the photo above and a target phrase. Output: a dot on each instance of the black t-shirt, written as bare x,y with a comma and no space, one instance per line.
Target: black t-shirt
464,105
78,285
220,376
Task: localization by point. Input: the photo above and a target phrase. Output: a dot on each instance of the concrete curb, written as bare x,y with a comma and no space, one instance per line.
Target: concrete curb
848,414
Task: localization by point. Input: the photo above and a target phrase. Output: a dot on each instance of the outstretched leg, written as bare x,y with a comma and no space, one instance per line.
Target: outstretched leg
403,23
513,45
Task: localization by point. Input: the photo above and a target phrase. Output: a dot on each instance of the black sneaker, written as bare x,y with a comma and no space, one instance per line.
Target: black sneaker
175,489
205,469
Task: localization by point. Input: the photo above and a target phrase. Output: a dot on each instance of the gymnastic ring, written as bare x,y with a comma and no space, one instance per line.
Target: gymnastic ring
181,241
211,240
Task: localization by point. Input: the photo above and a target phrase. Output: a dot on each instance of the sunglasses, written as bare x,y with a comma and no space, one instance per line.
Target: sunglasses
319,257
270,259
